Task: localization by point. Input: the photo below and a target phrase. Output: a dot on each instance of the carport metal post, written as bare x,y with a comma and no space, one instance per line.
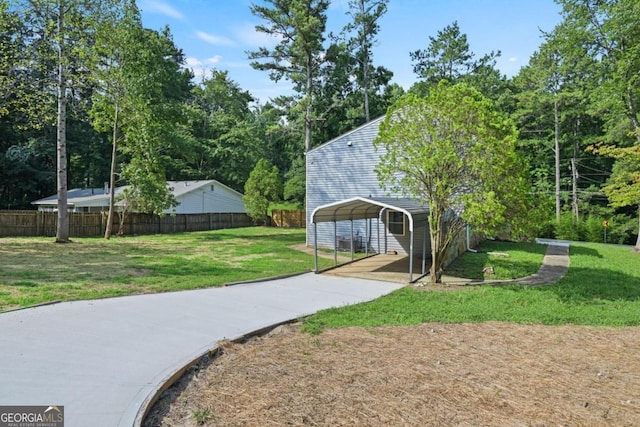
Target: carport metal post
386,224
351,221
335,242
411,257
315,245
378,227
367,223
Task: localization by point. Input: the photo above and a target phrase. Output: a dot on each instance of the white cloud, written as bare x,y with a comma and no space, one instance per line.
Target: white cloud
162,8
513,59
248,35
193,62
213,39
202,68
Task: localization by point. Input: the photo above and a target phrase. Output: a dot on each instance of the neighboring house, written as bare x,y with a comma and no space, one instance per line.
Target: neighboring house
343,193
207,196
78,200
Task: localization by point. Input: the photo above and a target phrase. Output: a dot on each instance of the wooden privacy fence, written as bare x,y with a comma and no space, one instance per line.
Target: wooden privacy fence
289,218
35,223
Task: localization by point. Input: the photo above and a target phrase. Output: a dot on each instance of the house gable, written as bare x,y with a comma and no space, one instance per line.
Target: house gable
344,168
205,197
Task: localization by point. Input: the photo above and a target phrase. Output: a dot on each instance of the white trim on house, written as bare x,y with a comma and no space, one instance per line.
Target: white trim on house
391,222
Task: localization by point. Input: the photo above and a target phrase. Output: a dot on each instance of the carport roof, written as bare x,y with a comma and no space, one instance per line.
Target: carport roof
365,208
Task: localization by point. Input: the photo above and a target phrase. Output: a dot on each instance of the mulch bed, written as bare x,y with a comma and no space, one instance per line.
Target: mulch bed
488,374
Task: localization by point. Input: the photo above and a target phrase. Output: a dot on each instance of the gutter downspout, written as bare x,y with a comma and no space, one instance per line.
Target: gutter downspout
469,240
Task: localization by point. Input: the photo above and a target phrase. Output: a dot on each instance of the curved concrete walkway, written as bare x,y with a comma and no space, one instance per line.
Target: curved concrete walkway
555,265
102,359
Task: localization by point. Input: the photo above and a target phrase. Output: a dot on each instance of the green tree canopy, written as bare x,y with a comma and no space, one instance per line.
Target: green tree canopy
449,57
263,187
608,31
299,25
623,186
222,141
364,27
455,153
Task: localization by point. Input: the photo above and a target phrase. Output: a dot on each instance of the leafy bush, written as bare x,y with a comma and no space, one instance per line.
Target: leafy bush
568,229
622,229
593,231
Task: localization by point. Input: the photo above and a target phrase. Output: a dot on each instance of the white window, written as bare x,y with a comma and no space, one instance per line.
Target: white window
395,222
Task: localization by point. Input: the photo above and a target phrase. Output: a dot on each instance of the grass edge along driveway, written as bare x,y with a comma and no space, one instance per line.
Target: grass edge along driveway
36,270
601,288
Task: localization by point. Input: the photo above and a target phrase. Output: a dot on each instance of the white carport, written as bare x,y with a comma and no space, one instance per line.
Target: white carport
358,208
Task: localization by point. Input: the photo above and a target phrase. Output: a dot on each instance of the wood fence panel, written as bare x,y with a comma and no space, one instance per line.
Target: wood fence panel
35,223
289,218
18,223
85,224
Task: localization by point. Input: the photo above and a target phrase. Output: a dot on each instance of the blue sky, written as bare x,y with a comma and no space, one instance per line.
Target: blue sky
218,33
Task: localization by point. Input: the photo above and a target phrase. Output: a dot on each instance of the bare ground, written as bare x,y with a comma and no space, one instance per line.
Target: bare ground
488,374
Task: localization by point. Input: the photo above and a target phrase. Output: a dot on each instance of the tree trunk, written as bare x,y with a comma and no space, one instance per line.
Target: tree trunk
435,232
307,109
62,230
123,215
632,113
574,190
637,248
365,81
112,176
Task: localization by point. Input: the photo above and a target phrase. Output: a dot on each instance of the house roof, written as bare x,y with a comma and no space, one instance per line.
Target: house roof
379,119
366,208
87,196
180,188
75,196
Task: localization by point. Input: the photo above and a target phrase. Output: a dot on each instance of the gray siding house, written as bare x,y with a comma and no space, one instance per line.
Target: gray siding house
344,169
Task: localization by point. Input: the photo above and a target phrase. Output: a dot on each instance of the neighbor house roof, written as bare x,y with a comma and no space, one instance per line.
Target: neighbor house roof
180,188
98,196
77,196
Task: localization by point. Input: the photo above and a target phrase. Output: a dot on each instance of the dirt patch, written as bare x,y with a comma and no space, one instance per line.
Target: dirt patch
489,374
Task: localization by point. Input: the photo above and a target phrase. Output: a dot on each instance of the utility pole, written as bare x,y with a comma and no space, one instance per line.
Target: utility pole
557,152
574,182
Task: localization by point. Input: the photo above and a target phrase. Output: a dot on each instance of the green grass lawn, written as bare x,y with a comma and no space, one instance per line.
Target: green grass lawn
602,287
36,270
521,260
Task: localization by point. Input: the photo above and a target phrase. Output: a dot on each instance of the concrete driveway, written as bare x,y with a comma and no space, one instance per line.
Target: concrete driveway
101,359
